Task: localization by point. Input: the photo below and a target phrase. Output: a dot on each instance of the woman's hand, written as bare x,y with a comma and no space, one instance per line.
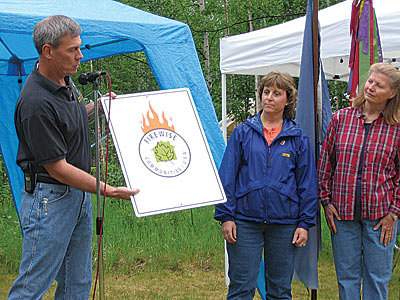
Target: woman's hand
330,214
113,95
387,233
300,237
229,231
90,106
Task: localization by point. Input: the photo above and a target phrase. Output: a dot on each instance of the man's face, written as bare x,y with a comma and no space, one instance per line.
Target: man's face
66,58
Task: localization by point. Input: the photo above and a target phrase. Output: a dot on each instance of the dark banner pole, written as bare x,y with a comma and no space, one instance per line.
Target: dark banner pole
315,73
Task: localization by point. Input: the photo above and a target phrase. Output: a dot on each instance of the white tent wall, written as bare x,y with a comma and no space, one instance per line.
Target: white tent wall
279,47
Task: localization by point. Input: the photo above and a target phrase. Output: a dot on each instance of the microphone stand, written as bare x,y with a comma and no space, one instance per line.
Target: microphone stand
99,213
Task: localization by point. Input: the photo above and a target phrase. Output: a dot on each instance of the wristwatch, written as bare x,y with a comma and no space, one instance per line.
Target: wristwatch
394,216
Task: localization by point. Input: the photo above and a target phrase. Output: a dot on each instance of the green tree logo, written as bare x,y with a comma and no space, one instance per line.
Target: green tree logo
164,151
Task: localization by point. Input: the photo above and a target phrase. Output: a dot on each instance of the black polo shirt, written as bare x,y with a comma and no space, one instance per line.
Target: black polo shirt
52,123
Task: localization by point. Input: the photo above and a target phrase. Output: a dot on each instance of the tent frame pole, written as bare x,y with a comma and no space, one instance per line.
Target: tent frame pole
225,134
224,129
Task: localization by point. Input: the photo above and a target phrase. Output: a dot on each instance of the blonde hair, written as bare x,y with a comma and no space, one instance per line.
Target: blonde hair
391,114
285,82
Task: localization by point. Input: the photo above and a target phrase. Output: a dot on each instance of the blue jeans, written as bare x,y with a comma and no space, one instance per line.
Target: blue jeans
57,224
245,259
360,257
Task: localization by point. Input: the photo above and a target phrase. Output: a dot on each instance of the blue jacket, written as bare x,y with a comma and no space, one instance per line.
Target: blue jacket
274,184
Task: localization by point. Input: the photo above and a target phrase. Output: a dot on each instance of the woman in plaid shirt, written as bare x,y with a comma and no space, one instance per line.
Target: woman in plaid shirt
359,178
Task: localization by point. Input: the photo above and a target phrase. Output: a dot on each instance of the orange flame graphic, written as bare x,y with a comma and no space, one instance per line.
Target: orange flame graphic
154,123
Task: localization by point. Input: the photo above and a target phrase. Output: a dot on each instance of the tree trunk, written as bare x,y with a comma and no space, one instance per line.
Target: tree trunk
226,17
256,77
206,49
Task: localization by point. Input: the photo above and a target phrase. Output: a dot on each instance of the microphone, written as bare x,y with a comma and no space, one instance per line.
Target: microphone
90,77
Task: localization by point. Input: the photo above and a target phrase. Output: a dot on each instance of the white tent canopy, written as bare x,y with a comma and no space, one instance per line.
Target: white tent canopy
279,47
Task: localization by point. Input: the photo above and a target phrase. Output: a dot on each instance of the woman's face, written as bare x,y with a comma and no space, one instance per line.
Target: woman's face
273,100
377,89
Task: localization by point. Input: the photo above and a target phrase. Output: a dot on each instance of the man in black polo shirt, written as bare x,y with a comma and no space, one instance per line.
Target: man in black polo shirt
54,153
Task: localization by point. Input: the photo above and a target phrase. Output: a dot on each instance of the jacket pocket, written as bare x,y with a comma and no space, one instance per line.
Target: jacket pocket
281,205
251,204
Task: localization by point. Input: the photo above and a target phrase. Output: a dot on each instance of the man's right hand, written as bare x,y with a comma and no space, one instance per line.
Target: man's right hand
229,231
121,192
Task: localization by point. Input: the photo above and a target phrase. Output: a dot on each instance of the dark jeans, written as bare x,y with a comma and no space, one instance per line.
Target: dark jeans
245,259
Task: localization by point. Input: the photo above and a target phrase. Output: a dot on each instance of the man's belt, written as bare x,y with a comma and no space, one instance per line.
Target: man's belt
42,177
32,178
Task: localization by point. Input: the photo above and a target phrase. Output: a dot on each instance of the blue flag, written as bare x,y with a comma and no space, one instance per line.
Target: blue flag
305,112
306,264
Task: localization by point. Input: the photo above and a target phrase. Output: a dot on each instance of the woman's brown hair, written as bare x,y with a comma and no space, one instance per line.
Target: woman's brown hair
285,82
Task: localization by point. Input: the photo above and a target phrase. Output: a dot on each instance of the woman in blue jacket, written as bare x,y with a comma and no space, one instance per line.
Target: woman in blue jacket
269,176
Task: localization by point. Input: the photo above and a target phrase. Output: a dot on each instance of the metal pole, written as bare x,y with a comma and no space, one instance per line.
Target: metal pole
99,212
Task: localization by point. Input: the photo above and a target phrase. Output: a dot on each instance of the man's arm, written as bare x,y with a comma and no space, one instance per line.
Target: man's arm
68,174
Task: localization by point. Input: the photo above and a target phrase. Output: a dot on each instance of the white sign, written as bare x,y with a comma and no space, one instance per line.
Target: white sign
163,151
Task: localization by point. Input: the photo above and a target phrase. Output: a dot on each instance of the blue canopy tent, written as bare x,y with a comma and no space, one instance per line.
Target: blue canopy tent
108,28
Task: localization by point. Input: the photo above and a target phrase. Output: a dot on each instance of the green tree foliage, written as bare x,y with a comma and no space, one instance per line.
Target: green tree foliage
130,73
339,96
218,18
5,193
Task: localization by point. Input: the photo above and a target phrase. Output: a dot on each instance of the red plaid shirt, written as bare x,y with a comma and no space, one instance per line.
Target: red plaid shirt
339,160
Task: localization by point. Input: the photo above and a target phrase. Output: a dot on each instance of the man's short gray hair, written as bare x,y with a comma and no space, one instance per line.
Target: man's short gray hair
52,29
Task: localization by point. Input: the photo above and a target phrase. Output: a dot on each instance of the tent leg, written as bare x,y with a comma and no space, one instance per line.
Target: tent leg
313,294
223,85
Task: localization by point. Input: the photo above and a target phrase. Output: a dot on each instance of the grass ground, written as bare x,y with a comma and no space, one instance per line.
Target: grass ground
194,283
172,256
